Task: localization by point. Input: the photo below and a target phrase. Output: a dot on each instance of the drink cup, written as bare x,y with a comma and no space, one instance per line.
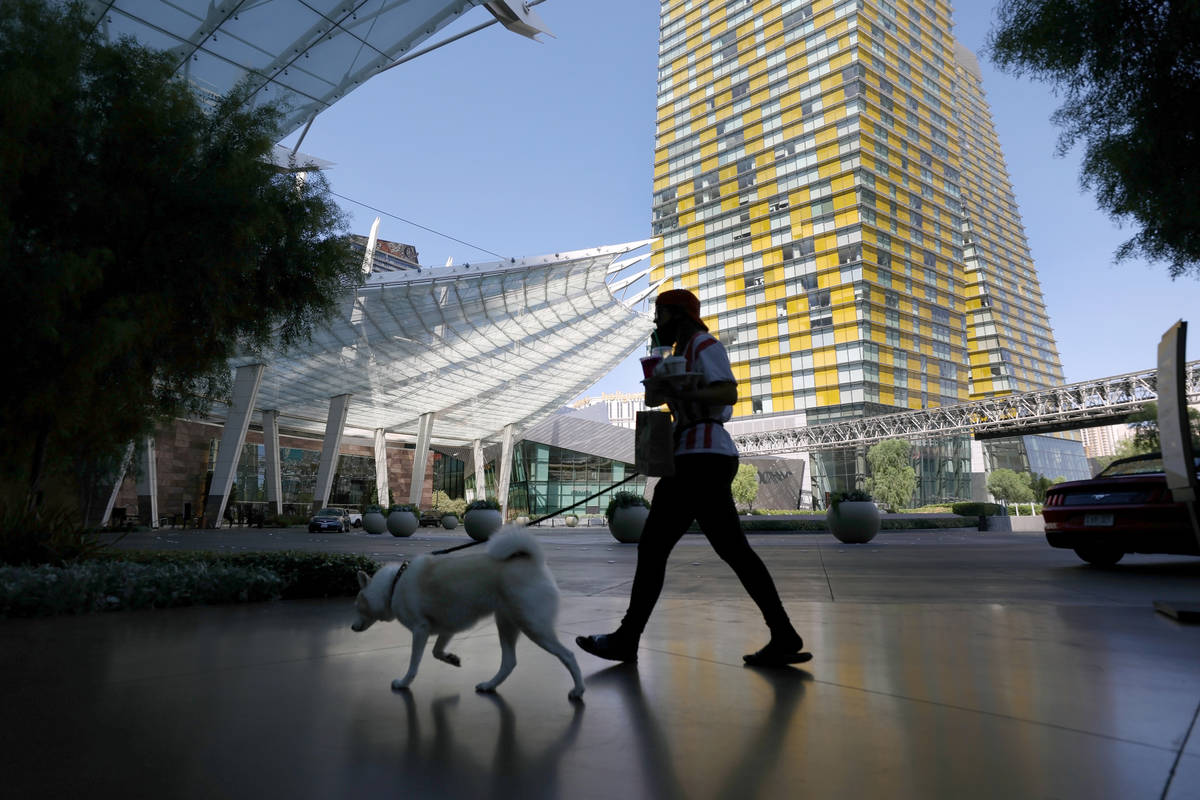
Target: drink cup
674,365
648,365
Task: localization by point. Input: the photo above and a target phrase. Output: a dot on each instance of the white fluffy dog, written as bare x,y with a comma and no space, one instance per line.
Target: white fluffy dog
442,596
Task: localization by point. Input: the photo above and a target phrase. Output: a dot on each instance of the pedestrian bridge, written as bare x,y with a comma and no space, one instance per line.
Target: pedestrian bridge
1103,401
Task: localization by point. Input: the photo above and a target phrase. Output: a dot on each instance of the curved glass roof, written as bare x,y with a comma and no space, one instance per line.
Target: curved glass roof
306,53
479,345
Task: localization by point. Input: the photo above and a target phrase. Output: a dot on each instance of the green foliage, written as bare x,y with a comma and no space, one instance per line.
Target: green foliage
623,500
110,586
147,239
1009,486
409,507
976,509
893,479
1129,76
372,508
487,502
285,521
305,574
852,496
43,535
745,485
1144,424
448,505
1040,484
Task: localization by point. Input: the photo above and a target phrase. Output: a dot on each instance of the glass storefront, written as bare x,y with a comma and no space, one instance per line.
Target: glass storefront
548,478
943,471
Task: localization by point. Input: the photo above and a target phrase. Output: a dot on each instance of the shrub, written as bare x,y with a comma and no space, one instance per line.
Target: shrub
110,586
976,509
852,496
372,508
623,500
305,574
409,507
285,521
447,505
477,505
44,536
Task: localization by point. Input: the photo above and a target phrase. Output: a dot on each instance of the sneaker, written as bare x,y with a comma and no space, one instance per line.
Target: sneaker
779,652
609,646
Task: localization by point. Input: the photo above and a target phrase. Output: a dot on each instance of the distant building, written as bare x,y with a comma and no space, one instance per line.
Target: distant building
1105,440
615,408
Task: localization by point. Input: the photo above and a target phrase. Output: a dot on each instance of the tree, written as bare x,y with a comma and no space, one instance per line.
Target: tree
893,480
745,485
144,240
1040,483
1145,431
1129,73
1010,487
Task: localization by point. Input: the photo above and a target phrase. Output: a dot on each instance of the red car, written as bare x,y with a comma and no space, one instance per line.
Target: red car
1127,508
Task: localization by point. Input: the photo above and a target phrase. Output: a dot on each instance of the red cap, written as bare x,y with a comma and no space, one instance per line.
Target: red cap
684,300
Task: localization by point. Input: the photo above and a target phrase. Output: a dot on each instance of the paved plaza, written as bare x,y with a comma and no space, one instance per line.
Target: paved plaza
948,664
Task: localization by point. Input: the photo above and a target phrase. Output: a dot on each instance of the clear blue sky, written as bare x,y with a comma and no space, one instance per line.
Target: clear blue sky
525,148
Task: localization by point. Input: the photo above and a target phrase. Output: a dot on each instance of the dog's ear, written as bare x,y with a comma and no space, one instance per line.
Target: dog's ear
363,579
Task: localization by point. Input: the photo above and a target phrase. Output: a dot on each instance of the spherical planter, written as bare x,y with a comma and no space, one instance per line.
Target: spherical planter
403,523
482,522
374,522
854,521
449,522
627,523
571,520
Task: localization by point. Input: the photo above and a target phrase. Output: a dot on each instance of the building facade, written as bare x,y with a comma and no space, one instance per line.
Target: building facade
828,181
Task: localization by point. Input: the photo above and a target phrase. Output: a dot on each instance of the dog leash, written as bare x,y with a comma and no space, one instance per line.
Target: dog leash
533,522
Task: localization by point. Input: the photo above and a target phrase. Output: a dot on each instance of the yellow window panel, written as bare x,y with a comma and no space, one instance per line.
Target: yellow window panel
828,397
696,247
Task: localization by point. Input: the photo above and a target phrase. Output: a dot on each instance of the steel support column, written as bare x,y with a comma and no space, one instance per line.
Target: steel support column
420,457
505,468
147,484
112,497
237,422
335,424
274,475
480,477
382,495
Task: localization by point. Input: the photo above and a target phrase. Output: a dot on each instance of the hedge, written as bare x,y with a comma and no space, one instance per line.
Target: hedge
120,580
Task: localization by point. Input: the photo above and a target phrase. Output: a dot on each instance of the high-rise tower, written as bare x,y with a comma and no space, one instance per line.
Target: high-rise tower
828,181
1012,345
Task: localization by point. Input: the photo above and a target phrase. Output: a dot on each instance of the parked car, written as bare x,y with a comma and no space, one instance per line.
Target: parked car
330,519
354,515
431,518
1126,508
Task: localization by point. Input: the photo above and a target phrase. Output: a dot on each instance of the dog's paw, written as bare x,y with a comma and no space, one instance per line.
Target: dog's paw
450,659
575,694
399,685
485,688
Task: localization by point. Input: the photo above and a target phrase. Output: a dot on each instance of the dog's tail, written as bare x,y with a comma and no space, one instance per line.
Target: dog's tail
512,543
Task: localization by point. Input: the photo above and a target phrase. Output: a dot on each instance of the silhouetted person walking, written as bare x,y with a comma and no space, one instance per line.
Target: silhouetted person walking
706,461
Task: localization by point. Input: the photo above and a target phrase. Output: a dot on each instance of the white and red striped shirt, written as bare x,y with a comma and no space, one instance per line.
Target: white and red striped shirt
705,356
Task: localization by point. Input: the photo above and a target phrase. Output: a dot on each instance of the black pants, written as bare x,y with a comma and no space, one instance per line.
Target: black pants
699,491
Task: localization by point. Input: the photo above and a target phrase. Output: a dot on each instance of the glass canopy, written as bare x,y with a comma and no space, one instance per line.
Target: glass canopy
306,54
481,346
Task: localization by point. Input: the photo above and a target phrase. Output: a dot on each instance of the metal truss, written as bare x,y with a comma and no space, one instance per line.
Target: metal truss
1080,405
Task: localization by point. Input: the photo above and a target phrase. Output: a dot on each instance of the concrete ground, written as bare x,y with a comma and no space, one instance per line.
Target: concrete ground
948,664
